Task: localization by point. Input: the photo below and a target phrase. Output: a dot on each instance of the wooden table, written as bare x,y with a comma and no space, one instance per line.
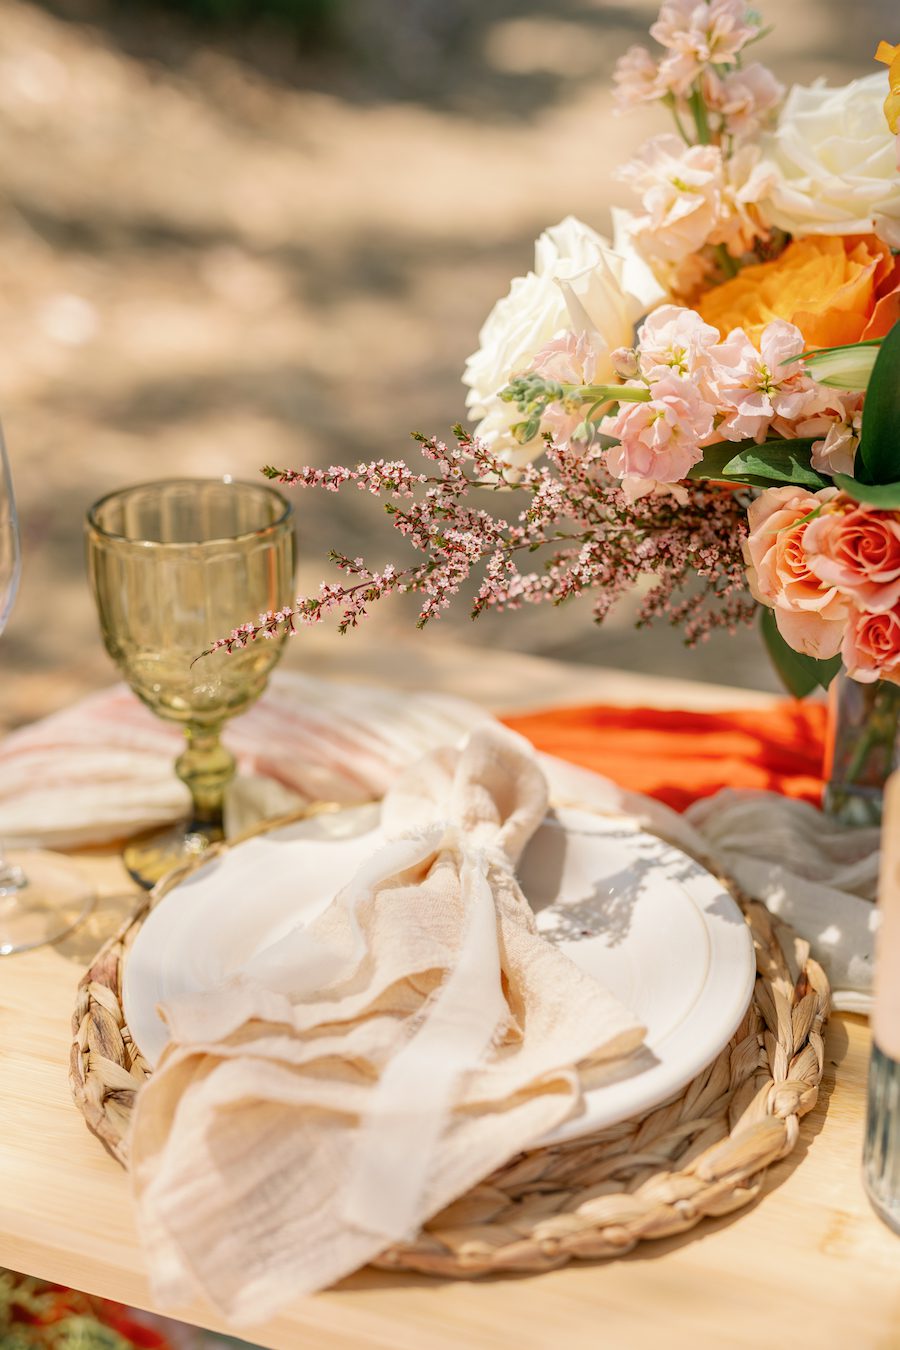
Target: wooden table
808,1264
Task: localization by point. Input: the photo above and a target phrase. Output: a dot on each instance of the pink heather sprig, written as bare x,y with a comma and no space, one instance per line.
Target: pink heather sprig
590,538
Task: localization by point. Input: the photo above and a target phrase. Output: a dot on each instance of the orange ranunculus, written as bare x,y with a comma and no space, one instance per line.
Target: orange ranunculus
890,56
835,288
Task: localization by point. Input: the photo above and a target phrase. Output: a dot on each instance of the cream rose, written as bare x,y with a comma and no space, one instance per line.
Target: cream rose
582,283
833,163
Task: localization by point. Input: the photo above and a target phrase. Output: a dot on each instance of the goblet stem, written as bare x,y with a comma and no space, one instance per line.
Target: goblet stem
206,768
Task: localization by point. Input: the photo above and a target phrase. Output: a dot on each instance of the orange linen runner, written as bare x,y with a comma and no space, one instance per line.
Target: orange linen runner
681,756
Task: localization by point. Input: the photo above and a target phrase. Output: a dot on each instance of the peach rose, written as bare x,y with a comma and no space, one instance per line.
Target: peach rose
811,616
835,290
871,647
856,549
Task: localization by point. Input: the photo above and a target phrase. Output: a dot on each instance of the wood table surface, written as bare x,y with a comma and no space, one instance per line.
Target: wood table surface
807,1264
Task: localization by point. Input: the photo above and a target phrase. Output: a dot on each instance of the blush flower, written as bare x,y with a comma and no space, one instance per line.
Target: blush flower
856,549
680,188
836,453
743,98
675,340
698,33
745,181
660,440
572,358
760,389
811,616
871,646
636,78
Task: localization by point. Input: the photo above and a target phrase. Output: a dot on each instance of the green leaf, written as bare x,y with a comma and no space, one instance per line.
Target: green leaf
879,446
799,674
775,462
886,495
715,457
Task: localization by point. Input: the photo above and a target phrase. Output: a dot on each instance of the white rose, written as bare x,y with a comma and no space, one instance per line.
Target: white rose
833,162
580,281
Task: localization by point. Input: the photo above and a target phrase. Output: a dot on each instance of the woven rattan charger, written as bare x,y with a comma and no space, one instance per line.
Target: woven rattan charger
703,1153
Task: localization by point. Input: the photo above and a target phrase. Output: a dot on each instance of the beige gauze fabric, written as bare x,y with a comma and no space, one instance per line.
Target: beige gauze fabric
363,1072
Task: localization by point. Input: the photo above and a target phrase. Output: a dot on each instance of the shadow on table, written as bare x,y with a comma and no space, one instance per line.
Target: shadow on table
105,919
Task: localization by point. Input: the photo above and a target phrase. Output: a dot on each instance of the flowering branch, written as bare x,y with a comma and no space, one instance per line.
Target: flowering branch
590,538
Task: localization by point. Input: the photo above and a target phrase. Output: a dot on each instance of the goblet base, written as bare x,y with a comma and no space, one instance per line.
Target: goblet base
152,856
42,898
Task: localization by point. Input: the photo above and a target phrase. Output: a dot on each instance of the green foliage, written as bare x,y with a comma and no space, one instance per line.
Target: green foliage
885,495
776,462
799,674
768,465
878,458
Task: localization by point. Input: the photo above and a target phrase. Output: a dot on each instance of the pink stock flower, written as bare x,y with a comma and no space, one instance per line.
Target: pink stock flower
660,440
837,452
636,77
743,98
570,359
811,616
758,390
871,646
746,180
698,34
673,339
680,187
856,549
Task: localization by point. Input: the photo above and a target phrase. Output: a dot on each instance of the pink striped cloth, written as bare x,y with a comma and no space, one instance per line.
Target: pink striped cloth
104,768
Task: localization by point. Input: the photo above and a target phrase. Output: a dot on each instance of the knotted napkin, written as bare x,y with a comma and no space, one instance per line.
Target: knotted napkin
362,1072
102,769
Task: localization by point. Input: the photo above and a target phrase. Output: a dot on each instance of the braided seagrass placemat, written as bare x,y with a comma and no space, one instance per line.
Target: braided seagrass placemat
704,1153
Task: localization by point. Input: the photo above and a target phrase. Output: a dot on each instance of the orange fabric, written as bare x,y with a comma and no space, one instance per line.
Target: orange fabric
681,756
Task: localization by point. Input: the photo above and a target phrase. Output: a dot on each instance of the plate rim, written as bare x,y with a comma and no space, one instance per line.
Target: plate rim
655,1085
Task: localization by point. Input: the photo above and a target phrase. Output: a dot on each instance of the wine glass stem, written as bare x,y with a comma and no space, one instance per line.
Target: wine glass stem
206,768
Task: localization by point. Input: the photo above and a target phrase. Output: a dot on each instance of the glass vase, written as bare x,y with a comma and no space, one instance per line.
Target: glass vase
862,748
881,1154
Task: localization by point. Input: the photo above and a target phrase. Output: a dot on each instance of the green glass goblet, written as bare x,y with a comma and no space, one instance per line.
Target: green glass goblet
173,565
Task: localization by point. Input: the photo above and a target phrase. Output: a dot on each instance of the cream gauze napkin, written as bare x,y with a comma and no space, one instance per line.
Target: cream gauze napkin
364,1071
103,769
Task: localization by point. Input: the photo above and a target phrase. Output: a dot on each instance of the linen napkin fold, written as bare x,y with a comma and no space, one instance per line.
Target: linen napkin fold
361,1073
102,769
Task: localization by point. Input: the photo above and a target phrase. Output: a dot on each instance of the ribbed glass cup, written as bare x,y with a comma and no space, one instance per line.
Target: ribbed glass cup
174,565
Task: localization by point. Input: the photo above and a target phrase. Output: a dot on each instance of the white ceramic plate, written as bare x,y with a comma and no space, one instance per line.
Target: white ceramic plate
640,916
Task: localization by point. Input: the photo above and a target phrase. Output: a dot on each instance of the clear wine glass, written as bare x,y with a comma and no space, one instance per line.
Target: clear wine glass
173,565
45,899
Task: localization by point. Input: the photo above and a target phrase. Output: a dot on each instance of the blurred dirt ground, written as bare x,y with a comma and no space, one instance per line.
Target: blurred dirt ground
220,254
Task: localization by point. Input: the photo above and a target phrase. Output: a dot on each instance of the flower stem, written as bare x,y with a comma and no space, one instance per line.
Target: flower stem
698,112
609,393
679,125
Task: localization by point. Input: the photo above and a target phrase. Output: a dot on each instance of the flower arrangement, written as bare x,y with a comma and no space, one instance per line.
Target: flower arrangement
711,397
35,1315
